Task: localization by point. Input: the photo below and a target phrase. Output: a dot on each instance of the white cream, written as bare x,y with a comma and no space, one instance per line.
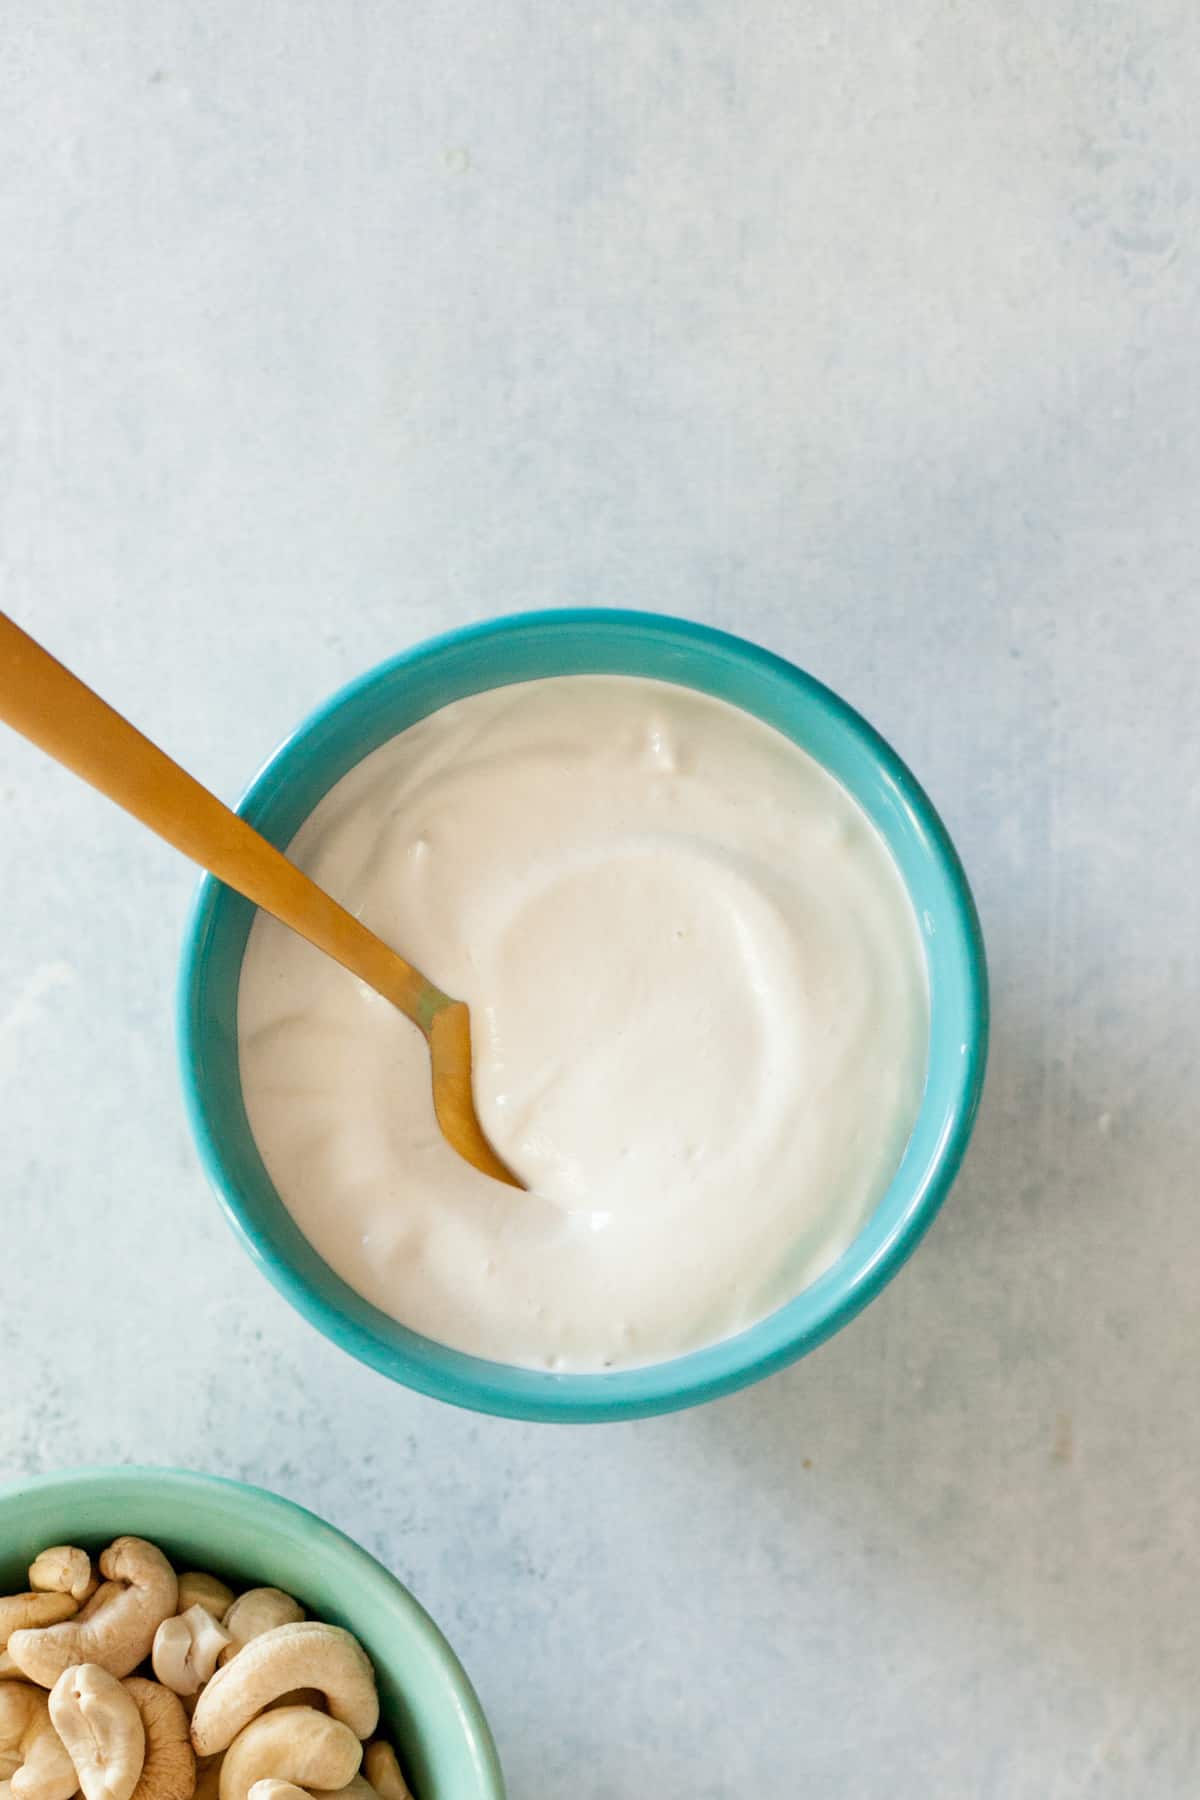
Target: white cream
699,1007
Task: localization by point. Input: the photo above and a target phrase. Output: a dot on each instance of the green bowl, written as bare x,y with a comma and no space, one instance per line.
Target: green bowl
523,648
251,1538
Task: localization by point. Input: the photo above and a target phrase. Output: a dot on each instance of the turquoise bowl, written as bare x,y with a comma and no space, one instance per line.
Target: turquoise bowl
255,1539
525,647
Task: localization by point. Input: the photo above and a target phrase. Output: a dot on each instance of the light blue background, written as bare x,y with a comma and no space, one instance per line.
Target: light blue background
871,331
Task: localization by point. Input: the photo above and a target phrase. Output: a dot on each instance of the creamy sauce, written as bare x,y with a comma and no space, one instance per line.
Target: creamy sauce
700,1014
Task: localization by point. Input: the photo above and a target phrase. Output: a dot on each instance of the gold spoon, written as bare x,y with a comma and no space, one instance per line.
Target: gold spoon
46,703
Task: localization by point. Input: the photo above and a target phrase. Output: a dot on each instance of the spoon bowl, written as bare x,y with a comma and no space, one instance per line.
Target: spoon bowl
54,709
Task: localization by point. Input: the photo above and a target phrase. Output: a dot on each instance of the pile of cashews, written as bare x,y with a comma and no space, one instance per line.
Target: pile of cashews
250,1699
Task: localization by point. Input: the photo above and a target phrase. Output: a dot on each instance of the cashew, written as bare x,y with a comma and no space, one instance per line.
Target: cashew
108,1590
63,1569
186,1647
294,1744
14,1717
32,1637
8,1669
256,1611
199,1589
169,1771
383,1771
116,1628
23,1612
47,1772
16,1709
34,1758
271,1789
102,1729
309,1655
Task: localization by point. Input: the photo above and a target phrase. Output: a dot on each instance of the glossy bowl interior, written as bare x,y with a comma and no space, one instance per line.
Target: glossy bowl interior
524,648
253,1538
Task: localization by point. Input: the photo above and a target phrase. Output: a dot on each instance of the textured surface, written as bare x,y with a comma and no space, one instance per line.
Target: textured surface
870,330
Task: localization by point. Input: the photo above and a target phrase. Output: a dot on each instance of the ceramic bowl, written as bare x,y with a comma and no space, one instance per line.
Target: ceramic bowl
523,648
255,1539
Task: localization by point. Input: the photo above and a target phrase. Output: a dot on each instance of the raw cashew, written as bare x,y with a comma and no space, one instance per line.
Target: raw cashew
256,1611
64,1569
32,1755
290,1656
271,1789
186,1647
8,1669
383,1771
23,1612
102,1729
199,1589
15,1709
116,1628
294,1744
32,1637
169,1771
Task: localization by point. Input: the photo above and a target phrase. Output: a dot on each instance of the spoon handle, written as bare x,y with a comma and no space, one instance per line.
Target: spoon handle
47,704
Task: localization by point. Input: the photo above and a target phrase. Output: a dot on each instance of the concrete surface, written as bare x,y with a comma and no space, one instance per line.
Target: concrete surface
870,330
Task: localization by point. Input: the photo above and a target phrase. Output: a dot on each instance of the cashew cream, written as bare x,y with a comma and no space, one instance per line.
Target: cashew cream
700,1019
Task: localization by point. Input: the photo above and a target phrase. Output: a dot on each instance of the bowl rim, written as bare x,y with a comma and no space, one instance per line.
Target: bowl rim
263,1502
734,1362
